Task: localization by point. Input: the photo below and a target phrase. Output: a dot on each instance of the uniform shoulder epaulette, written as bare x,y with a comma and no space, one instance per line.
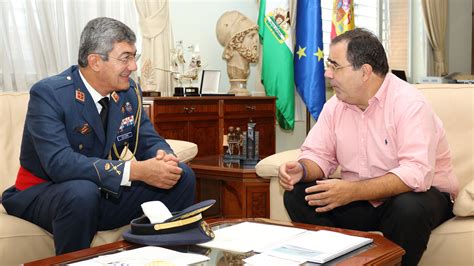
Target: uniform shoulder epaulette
60,81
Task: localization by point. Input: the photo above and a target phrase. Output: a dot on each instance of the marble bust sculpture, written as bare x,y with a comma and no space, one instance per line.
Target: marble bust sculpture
239,36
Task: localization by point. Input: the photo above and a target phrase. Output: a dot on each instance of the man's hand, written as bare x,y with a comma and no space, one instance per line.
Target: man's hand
161,173
329,194
162,155
289,174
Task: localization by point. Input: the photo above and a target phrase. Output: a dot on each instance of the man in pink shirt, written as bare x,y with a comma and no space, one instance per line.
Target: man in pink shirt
396,170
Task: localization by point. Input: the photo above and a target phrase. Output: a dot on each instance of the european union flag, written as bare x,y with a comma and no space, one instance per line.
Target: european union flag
309,56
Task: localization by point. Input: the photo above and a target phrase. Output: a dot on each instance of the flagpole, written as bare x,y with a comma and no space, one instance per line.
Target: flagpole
308,121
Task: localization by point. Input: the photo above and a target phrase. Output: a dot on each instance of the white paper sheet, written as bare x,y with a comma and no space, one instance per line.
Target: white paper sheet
143,256
248,236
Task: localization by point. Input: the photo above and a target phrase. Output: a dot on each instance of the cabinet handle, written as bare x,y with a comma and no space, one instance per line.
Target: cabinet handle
189,109
250,107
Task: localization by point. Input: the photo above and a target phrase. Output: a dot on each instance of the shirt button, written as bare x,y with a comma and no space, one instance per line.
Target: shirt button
68,77
81,146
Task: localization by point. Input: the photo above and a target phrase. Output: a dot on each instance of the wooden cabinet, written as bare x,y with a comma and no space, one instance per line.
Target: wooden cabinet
205,120
238,191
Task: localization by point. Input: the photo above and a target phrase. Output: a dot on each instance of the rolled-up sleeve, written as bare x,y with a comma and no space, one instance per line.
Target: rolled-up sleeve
417,137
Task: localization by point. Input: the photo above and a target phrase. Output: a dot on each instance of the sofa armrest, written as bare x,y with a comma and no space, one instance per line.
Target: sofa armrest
268,167
184,150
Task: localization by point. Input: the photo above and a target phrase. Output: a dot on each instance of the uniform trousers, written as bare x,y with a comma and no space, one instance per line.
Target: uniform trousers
406,219
75,210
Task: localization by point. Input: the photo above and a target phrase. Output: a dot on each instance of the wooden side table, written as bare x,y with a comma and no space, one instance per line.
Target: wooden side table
238,191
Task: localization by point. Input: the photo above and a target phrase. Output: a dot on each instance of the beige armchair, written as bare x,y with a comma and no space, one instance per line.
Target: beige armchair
451,243
20,240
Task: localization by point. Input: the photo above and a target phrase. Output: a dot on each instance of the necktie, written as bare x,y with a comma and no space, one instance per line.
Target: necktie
104,112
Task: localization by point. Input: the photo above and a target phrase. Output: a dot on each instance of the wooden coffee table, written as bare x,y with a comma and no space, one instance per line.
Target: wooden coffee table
238,191
381,252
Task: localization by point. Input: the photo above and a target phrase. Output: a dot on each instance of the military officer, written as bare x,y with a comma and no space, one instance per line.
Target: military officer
73,180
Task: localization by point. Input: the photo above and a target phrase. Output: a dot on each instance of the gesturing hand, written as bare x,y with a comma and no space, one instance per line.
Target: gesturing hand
289,174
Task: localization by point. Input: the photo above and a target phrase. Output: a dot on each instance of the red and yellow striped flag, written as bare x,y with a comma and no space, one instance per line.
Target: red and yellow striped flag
342,17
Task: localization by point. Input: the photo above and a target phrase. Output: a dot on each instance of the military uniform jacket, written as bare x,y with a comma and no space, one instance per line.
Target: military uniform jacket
64,139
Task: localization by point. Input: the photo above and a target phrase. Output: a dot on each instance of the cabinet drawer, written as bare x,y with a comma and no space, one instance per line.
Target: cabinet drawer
171,108
249,107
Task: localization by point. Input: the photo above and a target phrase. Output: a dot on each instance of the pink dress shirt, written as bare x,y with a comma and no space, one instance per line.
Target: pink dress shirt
397,133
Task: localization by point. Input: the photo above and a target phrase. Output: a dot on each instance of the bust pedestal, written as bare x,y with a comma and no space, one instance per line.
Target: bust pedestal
239,87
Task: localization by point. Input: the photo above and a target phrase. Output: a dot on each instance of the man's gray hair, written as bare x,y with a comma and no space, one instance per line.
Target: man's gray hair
99,37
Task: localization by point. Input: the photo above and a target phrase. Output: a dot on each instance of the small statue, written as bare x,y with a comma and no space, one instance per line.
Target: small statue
250,150
180,72
234,144
239,36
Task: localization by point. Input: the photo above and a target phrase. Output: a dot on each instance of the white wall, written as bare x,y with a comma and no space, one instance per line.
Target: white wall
194,21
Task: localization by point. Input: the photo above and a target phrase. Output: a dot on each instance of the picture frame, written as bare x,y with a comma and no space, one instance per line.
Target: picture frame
210,82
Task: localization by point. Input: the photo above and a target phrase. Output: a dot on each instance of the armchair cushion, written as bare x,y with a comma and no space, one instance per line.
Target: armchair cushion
185,150
464,204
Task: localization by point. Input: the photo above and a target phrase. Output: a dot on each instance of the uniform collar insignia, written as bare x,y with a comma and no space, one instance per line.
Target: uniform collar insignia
80,96
115,96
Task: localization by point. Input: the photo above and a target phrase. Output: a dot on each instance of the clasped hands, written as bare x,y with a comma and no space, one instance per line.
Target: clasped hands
325,195
162,171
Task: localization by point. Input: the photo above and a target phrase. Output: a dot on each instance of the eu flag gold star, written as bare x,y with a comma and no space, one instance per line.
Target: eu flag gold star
319,54
301,52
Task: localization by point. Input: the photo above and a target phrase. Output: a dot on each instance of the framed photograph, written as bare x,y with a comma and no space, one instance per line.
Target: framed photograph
210,82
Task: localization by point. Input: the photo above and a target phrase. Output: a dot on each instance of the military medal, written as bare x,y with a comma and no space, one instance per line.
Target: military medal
128,106
84,130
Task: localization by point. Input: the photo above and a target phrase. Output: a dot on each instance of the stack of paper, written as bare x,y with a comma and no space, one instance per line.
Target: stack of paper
286,243
317,246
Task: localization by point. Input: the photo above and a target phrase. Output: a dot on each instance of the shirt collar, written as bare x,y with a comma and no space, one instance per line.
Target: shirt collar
381,94
95,95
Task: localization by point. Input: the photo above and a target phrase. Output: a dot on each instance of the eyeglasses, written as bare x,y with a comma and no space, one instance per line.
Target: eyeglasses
124,60
333,67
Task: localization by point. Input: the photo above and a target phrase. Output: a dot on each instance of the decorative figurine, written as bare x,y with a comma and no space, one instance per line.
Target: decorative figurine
234,144
250,154
242,147
182,74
